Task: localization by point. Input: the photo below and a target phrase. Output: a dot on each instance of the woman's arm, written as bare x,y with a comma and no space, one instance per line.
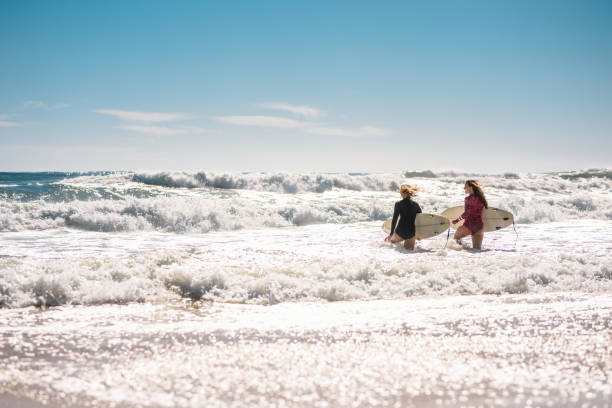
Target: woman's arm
466,207
395,216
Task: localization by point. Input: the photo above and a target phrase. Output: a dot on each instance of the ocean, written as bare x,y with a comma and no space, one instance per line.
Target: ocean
212,289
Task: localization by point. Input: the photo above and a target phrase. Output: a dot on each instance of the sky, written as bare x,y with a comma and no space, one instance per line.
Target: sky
305,86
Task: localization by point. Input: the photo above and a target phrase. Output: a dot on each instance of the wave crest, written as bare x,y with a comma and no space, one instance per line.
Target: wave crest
278,182
181,215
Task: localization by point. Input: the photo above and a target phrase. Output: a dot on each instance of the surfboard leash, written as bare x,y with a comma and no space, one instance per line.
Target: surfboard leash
514,228
447,236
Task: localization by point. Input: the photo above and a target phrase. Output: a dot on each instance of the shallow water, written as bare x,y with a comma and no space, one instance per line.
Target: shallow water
527,350
313,263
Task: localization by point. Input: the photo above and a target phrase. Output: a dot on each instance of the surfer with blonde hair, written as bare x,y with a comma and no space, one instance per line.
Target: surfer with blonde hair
406,210
473,205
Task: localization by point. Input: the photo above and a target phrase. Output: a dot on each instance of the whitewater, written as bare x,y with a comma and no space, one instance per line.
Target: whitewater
206,288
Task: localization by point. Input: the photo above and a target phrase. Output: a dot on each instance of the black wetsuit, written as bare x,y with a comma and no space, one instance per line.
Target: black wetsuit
407,210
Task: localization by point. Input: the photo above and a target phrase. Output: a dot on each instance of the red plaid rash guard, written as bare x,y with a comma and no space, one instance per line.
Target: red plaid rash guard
473,213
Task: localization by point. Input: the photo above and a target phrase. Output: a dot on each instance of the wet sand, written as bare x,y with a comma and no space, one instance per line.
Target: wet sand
7,400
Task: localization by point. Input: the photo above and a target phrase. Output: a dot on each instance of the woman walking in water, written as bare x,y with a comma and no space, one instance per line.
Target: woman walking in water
407,210
473,204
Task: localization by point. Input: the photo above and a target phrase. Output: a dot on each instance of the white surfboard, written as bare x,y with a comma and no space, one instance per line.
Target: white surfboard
426,225
493,219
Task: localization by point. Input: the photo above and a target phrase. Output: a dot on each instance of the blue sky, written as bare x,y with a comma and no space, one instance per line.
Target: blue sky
486,86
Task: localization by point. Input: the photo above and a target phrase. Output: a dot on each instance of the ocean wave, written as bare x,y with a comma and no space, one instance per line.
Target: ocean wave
158,275
210,212
120,185
181,215
422,174
115,202
319,183
72,187
551,209
567,175
55,283
586,174
529,186
276,182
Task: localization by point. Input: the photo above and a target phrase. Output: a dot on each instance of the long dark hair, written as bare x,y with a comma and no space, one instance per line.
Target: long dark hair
477,191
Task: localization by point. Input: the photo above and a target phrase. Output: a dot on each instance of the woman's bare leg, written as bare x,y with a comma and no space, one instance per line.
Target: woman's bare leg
396,238
409,243
477,239
461,232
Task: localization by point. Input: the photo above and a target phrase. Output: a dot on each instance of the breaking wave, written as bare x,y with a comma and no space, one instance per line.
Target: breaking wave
200,202
277,182
179,215
202,215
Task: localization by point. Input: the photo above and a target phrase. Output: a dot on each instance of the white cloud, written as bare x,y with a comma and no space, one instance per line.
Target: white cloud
149,117
310,127
43,105
264,121
5,123
153,130
199,131
302,110
168,131
66,149
59,106
33,104
362,131
374,131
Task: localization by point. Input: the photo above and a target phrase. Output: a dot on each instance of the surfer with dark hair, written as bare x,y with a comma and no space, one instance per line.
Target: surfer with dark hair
406,210
473,204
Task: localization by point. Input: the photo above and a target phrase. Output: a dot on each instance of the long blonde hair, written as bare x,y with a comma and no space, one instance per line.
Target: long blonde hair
406,190
477,188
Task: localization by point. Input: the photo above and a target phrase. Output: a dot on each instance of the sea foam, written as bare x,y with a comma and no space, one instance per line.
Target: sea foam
317,263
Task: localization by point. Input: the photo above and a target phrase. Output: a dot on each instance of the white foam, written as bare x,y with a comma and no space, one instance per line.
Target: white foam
315,263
